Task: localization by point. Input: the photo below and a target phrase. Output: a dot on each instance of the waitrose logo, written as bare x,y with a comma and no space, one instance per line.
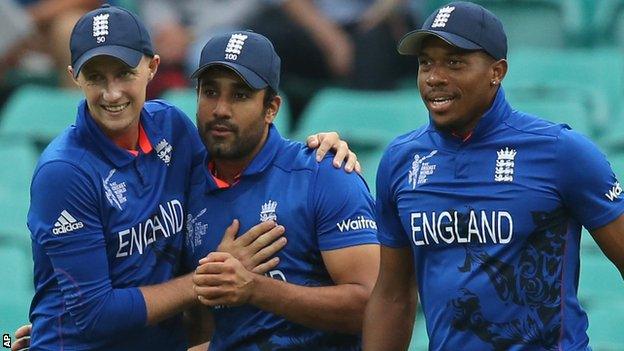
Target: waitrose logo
357,223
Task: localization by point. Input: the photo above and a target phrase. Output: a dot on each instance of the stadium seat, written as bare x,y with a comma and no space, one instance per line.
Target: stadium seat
602,296
369,160
608,22
17,287
20,159
541,23
39,113
186,100
600,70
585,110
366,119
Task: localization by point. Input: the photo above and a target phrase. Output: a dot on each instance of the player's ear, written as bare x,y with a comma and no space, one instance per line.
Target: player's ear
272,108
70,71
153,66
499,70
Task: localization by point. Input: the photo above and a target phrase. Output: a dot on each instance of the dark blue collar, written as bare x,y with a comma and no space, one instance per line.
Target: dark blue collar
92,133
491,119
260,162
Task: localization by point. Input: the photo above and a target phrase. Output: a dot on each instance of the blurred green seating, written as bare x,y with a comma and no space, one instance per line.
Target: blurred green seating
541,23
39,113
608,22
186,100
20,158
366,119
420,340
600,70
17,286
584,109
601,293
369,160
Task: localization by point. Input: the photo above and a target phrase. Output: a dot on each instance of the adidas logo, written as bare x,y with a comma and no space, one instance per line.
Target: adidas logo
66,223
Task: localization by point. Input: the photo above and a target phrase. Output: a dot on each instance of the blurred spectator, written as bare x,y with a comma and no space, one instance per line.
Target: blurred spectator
39,29
180,28
348,42
352,40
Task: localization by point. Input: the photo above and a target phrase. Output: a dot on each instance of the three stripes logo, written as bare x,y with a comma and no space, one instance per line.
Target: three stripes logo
66,223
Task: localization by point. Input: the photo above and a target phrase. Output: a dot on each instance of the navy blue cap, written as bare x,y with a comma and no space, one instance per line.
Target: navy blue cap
462,24
111,31
251,55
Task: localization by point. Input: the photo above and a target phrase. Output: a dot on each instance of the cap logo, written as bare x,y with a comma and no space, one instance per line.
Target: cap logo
442,17
234,46
100,27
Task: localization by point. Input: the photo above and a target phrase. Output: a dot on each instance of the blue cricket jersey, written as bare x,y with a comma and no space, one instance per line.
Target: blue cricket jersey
322,208
104,222
494,226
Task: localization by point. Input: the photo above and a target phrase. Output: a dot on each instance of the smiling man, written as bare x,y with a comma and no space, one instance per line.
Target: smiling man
480,211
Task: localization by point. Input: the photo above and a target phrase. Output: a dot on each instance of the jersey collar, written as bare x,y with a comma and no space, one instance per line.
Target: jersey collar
491,119
118,156
259,163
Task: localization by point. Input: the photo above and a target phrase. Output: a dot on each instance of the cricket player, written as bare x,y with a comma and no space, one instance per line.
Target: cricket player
314,298
480,211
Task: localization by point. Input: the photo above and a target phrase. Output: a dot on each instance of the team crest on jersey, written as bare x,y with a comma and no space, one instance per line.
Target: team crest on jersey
504,171
268,211
420,169
163,150
115,192
195,230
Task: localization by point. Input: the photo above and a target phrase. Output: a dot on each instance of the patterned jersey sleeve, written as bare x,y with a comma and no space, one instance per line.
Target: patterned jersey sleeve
64,221
390,232
343,209
588,185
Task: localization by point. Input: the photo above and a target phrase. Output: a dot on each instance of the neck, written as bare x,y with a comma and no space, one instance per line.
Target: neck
130,141
228,169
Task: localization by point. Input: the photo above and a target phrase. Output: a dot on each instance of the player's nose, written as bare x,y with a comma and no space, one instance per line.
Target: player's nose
112,92
223,107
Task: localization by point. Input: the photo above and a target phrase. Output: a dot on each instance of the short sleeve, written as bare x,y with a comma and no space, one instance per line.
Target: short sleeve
390,231
587,183
64,220
343,209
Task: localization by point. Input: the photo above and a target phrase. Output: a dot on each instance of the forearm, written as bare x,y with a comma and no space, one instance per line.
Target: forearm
44,11
338,308
388,322
168,299
305,14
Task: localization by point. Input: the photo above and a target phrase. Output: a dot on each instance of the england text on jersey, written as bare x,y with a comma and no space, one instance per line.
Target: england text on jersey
448,227
168,221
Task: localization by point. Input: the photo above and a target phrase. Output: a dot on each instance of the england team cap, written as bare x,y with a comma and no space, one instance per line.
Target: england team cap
111,31
462,24
251,55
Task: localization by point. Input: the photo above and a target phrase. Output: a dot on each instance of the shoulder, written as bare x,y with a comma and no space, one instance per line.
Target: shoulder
67,148
162,111
416,139
55,174
404,146
296,156
528,124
